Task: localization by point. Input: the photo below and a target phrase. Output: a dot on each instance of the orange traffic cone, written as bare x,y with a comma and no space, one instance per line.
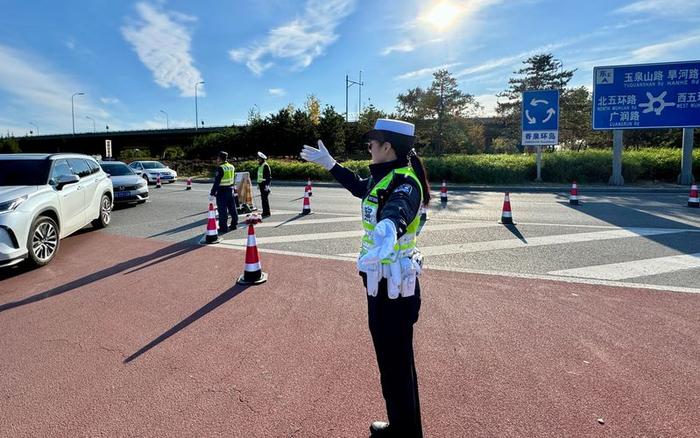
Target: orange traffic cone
158,182
506,214
212,234
443,192
252,273
573,194
189,183
306,209
308,189
693,200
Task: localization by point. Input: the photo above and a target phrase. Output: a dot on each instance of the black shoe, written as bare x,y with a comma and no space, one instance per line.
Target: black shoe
379,429
266,215
223,230
233,227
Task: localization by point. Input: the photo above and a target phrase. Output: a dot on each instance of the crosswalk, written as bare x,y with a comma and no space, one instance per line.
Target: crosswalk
288,236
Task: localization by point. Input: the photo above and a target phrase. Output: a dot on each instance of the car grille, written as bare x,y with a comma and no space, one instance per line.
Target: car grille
124,188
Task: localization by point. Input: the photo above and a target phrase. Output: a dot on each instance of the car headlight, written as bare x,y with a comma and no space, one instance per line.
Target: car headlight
141,183
12,204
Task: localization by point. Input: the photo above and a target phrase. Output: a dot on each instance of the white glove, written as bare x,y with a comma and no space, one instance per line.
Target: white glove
319,156
393,282
408,277
212,199
384,237
373,271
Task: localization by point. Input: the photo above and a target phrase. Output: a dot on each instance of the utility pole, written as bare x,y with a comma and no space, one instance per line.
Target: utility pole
349,83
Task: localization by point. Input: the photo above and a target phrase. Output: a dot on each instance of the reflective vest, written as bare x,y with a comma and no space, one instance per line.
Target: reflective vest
229,174
260,172
406,245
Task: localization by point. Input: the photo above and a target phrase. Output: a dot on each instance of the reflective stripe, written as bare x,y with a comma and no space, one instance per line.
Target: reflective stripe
228,177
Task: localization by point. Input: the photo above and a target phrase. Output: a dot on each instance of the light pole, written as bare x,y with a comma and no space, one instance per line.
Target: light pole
349,83
37,128
72,107
167,120
94,130
196,115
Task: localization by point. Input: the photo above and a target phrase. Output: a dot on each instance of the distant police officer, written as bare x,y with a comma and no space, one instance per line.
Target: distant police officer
389,262
223,190
263,180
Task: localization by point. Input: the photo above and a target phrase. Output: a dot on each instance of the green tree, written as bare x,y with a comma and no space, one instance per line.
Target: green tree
9,145
313,109
331,130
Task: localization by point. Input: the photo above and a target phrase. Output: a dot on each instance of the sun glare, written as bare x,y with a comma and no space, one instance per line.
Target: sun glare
441,16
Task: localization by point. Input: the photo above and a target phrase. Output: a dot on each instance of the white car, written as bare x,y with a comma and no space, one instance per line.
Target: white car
46,197
150,170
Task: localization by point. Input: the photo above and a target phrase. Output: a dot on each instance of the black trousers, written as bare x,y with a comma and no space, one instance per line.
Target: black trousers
225,203
391,326
264,195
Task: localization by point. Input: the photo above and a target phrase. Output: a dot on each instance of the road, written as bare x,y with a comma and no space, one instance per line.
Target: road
577,321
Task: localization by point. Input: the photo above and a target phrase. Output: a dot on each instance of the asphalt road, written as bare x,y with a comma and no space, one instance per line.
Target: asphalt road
578,321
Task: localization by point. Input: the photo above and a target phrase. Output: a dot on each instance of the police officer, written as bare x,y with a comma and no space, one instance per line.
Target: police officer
389,262
223,190
264,179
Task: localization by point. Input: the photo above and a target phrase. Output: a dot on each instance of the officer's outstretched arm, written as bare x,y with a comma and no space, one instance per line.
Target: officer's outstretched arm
350,180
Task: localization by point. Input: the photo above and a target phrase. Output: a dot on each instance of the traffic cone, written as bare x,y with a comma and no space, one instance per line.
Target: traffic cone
693,200
308,189
252,273
506,214
443,192
189,183
573,194
212,234
306,208
158,182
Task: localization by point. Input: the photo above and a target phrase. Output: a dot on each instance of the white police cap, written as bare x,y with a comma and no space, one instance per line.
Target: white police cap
261,155
397,126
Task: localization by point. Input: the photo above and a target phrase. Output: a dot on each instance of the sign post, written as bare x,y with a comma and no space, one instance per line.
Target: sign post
540,121
108,148
646,96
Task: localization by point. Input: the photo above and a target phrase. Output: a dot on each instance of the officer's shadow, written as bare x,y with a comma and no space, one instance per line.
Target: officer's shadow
210,306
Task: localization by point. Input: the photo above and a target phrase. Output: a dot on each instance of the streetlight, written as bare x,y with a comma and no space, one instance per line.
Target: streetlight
72,107
196,115
167,120
94,130
37,128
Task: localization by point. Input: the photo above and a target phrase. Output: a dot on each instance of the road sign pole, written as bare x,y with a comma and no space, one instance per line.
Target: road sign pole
616,179
686,176
539,164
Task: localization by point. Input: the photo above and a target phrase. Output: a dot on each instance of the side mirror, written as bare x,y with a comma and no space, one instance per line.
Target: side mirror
64,180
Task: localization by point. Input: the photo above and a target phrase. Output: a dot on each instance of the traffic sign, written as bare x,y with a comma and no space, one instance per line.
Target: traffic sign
664,95
108,148
540,117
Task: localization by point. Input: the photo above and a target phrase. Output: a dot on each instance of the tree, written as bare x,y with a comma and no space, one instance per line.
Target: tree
9,145
441,114
313,109
331,130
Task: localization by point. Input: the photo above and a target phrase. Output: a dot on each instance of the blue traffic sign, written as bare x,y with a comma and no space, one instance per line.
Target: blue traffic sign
540,117
665,95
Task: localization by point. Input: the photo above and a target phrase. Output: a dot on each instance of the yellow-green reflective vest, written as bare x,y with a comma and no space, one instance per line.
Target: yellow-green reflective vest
260,173
406,245
229,174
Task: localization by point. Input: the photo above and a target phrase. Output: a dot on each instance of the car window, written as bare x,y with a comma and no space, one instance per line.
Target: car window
60,168
116,169
24,172
94,167
80,167
153,165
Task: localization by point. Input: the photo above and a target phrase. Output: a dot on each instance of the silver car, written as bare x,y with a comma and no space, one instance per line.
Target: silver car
128,186
46,197
150,170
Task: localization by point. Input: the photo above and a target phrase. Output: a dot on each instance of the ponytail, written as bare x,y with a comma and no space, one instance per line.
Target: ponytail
419,169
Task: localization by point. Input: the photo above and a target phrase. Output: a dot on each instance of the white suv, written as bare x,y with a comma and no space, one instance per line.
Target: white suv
46,197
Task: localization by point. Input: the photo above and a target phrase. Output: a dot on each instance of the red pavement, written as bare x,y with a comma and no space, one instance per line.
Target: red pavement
154,339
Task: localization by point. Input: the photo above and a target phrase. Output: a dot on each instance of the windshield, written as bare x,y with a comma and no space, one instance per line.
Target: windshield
153,165
24,172
116,169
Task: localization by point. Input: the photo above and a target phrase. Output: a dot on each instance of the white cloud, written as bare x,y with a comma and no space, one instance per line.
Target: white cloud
664,50
41,95
163,44
409,45
299,41
109,100
277,91
489,103
425,71
679,8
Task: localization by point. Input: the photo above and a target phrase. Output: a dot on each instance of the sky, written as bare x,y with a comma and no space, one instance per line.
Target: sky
139,63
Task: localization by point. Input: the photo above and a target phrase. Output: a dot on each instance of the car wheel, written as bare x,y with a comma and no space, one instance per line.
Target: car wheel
43,241
105,213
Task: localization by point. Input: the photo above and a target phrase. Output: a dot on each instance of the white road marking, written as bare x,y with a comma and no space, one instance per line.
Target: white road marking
635,268
305,221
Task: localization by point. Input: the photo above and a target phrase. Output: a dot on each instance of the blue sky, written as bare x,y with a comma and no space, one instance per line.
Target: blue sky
133,59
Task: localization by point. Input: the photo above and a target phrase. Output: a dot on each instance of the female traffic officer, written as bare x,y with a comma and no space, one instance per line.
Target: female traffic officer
389,262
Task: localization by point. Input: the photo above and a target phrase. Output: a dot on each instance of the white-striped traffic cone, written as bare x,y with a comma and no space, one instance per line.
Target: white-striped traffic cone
693,200
306,208
573,194
189,183
308,189
252,273
158,181
212,234
506,214
443,192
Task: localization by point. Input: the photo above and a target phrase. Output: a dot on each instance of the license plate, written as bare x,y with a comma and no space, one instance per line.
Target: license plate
122,194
